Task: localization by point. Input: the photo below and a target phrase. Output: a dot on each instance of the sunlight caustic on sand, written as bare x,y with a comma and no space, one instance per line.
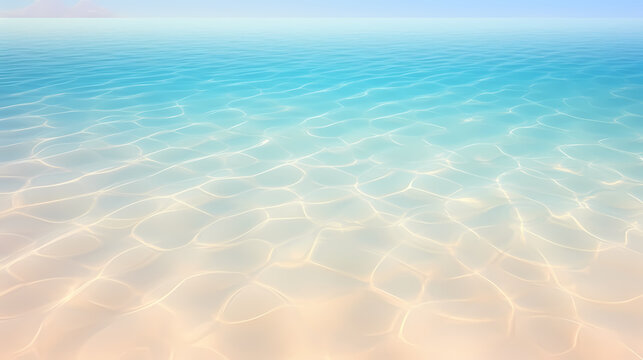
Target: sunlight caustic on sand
323,189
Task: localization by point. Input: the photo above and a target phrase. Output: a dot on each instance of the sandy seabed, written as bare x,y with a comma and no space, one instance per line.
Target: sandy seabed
321,189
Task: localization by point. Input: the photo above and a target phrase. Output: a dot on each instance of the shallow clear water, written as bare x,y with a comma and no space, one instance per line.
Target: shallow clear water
321,189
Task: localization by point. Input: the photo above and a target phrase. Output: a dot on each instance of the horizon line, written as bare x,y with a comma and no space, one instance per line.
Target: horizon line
640,17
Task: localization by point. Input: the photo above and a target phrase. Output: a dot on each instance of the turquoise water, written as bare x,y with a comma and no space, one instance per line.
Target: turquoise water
317,189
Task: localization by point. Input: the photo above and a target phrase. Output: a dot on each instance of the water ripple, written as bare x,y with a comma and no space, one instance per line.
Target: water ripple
352,189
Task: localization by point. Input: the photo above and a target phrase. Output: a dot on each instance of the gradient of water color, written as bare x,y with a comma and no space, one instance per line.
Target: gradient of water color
321,189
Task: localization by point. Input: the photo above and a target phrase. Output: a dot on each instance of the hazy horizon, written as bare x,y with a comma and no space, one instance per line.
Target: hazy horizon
320,9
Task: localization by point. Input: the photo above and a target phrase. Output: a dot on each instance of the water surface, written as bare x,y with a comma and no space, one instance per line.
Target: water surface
321,189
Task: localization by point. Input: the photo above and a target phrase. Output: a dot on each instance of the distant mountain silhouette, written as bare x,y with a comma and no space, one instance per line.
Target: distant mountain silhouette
58,8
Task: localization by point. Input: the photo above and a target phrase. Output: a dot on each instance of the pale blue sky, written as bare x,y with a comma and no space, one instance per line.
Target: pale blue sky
328,8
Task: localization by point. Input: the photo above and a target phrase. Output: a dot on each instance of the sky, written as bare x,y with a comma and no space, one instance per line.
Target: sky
322,8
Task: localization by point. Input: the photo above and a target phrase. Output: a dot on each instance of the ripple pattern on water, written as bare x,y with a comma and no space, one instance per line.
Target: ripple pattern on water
318,189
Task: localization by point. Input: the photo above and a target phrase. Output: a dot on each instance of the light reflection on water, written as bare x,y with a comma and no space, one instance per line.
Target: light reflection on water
321,189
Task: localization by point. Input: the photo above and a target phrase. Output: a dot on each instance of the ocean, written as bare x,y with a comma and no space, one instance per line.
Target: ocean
321,189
